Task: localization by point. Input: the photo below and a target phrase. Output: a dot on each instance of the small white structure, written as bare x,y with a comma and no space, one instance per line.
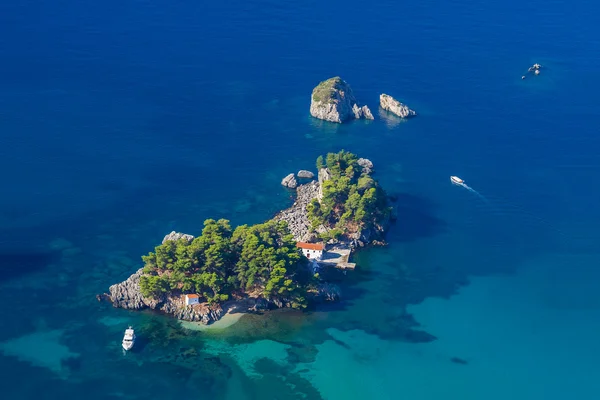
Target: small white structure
191,299
128,339
312,251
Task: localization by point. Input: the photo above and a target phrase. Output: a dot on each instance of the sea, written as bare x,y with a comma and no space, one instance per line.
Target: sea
121,121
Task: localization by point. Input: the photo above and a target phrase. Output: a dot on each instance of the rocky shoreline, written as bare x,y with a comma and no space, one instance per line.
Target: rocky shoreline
127,295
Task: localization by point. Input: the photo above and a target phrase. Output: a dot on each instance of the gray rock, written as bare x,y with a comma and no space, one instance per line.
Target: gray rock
366,164
296,216
392,105
203,313
332,100
362,112
176,236
127,293
290,181
305,174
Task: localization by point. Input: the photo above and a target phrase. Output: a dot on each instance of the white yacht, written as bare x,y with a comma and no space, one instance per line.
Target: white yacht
456,180
128,339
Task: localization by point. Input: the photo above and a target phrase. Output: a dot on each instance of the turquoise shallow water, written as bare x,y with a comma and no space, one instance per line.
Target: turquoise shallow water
122,121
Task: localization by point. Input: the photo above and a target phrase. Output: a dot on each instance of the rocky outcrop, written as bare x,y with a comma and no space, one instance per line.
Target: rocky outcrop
205,313
290,181
296,216
366,164
332,100
392,105
324,175
362,112
304,174
127,293
374,235
176,236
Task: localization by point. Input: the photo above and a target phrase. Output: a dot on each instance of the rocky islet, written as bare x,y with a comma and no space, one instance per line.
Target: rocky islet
397,108
333,100
127,294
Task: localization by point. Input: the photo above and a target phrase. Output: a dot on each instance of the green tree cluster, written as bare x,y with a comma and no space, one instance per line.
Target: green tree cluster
351,200
259,258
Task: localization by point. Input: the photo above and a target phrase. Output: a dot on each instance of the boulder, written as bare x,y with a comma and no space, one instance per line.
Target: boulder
176,236
290,181
332,100
366,164
305,174
392,105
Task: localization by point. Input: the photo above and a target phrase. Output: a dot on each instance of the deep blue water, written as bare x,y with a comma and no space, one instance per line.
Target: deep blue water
121,121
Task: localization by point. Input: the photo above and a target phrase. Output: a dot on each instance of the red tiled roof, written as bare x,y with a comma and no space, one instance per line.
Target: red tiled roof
310,246
192,296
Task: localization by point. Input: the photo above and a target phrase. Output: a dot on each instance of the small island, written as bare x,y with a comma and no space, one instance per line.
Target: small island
388,103
332,100
270,265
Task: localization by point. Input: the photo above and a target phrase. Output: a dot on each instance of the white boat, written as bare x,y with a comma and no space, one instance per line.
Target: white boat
456,180
128,339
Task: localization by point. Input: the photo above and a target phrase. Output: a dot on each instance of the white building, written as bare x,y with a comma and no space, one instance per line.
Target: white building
312,251
191,299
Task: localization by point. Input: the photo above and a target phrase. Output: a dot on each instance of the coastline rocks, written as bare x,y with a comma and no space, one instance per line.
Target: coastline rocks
366,165
127,293
332,100
204,313
374,235
176,236
290,181
304,174
296,216
392,105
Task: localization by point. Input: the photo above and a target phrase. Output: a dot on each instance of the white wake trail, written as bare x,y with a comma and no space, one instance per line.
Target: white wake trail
475,192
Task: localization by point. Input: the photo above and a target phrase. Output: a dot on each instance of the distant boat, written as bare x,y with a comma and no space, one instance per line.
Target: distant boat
456,180
128,339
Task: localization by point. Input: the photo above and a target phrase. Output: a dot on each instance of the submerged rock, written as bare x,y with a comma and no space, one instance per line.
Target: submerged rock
327,292
290,181
176,236
332,100
305,174
392,105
